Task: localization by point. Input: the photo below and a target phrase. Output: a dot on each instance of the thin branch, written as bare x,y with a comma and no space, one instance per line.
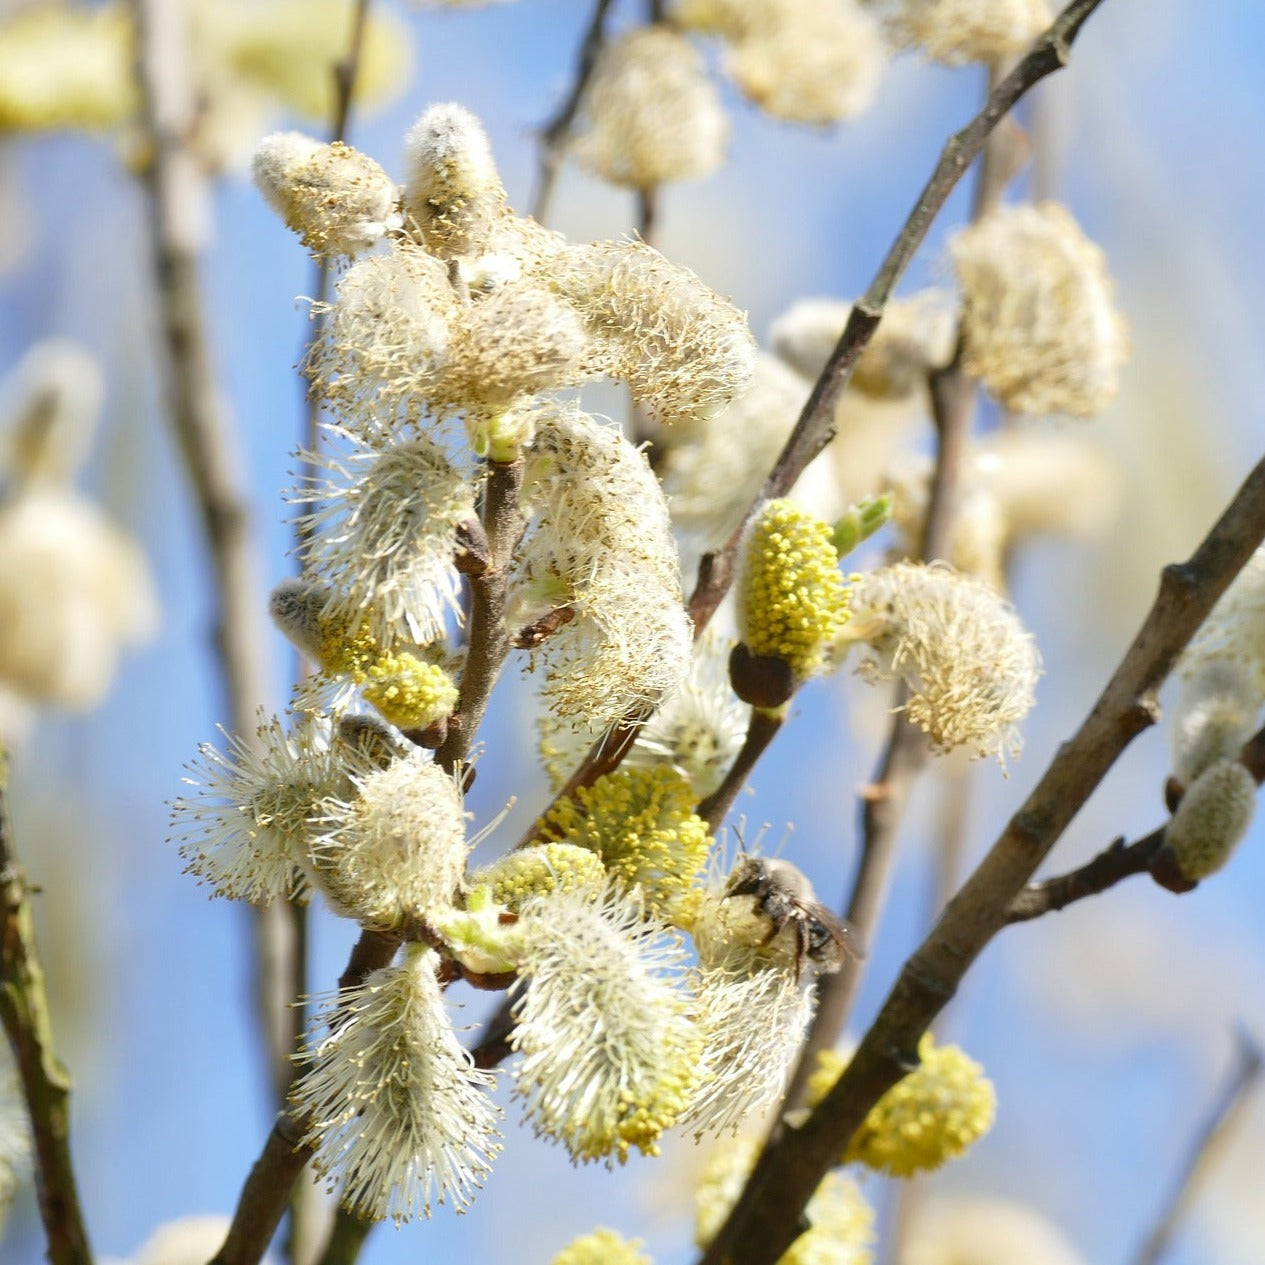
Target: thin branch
1116,862
647,214
1205,1148
762,728
205,438
28,1026
554,135
763,1222
489,641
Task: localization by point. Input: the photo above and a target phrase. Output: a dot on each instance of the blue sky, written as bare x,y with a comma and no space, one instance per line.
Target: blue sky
1104,1028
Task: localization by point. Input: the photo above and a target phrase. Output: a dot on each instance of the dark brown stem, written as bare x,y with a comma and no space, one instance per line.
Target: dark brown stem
762,728
494,1041
553,137
489,641
1209,1140
1118,861
763,1223
647,214
266,1194
45,1082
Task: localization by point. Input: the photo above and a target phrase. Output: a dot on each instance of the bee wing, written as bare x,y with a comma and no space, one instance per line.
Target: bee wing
837,939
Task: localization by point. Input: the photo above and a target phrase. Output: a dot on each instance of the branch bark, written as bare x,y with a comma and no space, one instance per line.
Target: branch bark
763,1223
45,1081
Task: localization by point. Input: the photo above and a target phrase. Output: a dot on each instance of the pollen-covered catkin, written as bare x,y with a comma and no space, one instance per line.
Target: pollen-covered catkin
650,115
592,962
393,845
1040,327
641,823
399,1116
683,350
791,598
956,643
338,200
384,537
602,1247
937,1112
600,545
385,341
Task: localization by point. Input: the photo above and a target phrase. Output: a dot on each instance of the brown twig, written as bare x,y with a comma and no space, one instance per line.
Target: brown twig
489,639
1116,862
205,439
762,728
45,1083
1209,1140
762,1224
553,136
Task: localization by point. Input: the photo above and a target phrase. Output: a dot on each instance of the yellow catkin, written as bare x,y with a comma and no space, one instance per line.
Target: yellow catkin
791,596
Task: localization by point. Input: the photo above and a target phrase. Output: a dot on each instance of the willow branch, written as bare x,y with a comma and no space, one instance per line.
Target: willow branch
489,640
1209,1140
762,1224
762,728
554,135
45,1083
1115,863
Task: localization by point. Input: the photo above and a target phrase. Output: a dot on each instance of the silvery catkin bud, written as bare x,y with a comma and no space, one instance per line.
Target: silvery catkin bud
1211,820
338,200
453,194
650,115
1039,325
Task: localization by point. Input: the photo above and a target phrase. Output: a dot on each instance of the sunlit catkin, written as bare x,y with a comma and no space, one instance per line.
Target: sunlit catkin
384,537
1039,323
338,200
398,1115
791,599
452,193
641,823
392,845
970,667
934,1114
683,351
806,61
650,115
593,964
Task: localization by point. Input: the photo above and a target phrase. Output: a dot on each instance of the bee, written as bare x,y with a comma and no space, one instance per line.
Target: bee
784,898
